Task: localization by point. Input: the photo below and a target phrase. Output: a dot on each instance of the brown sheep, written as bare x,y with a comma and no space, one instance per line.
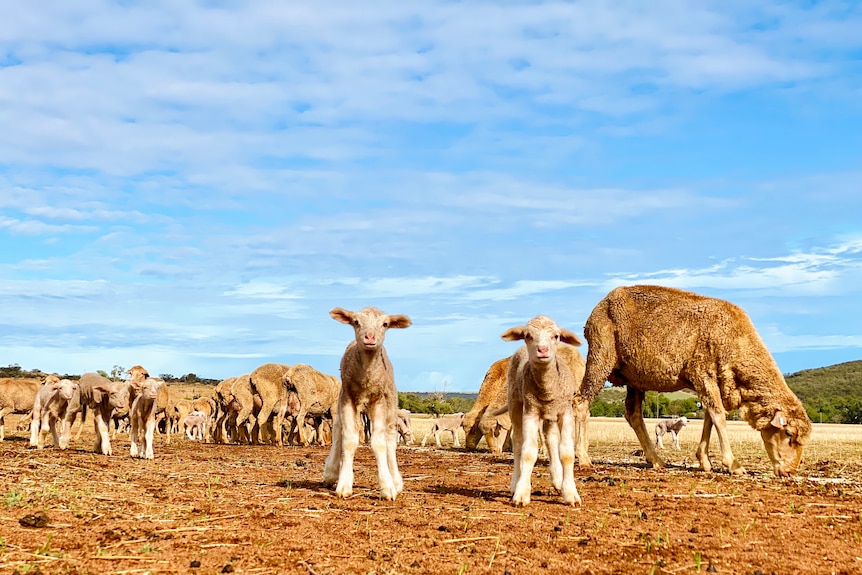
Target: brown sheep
269,382
318,395
17,395
541,388
368,384
652,338
52,402
488,399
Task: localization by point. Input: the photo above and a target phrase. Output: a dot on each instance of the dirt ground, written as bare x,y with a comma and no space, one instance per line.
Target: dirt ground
261,509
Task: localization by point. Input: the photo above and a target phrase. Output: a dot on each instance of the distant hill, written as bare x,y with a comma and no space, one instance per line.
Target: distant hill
830,394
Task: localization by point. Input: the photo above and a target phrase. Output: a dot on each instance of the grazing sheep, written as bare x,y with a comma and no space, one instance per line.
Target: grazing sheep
50,406
488,399
102,396
652,338
269,382
317,392
541,387
17,395
142,417
368,384
672,426
451,423
404,427
178,411
195,425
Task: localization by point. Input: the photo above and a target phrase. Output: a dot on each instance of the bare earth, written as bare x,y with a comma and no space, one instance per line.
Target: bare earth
261,509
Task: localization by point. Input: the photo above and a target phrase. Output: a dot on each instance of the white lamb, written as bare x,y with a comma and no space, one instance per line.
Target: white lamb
541,386
451,423
672,426
195,425
143,418
367,384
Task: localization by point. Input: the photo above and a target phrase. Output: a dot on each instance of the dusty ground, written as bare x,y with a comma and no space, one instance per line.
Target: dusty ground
243,509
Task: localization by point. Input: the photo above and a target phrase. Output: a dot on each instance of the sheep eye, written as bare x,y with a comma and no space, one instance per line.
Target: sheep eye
557,337
356,322
385,324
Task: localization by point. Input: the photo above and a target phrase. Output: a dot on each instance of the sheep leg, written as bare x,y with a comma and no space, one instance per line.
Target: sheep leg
455,438
380,430
516,415
659,442
529,453
582,416
332,467
551,430
149,433
54,435
567,458
703,447
675,439
634,415
35,424
391,445
719,421
103,442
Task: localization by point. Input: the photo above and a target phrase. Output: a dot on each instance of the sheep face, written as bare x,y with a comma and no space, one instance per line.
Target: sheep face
781,440
138,373
542,336
150,388
370,325
67,388
51,380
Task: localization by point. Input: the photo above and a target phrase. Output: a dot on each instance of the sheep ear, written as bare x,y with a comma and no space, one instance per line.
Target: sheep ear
778,420
98,390
514,333
342,315
399,321
569,337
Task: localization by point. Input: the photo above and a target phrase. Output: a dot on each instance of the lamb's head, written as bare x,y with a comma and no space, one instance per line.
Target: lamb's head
784,439
137,373
149,389
541,335
52,379
67,388
118,395
370,325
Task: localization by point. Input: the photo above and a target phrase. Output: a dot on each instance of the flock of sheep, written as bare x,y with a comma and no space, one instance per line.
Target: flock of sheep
648,338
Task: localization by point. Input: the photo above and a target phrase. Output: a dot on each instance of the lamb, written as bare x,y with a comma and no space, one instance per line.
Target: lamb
195,425
52,402
672,426
652,338
102,396
143,418
318,394
17,395
207,406
404,426
368,384
487,400
451,423
541,387
164,403
268,381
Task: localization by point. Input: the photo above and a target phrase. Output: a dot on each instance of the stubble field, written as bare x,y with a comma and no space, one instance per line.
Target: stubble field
200,508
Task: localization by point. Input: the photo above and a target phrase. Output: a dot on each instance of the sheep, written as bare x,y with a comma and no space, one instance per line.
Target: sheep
653,338
268,381
143,418
404,426
164,403
17,395
207,406
317,392
52,402
102,396
541,387
672,426
451,423
488,399
195,425
178,411
368,384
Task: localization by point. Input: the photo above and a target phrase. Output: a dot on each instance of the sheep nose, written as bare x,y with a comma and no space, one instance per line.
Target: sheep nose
369,338
542,351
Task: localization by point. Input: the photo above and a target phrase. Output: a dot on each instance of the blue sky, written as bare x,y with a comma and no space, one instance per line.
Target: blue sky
193,186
